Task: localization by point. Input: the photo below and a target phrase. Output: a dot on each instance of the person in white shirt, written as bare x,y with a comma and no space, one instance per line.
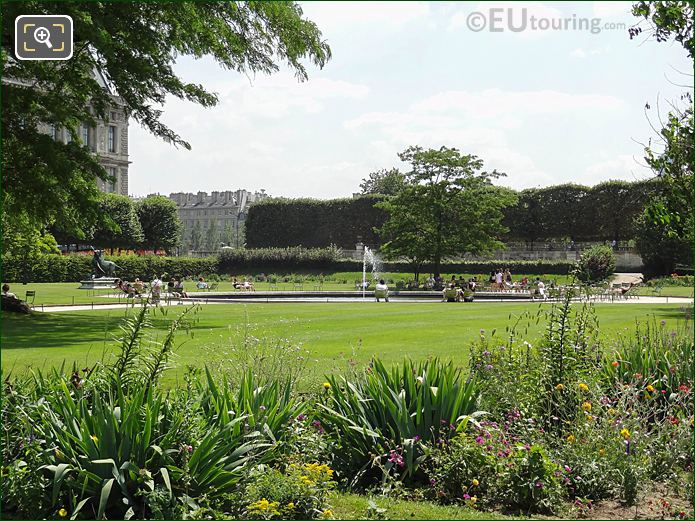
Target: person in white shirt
156,289
381,290
499,280
540,288
6,291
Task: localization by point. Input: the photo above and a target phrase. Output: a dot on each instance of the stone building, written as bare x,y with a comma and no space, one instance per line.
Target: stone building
108,141
223,211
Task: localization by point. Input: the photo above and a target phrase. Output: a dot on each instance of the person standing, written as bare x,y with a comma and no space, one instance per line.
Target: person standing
499,280
156,289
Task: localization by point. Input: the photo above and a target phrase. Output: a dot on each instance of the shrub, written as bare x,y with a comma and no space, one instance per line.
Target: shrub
300,492
383,417
596,264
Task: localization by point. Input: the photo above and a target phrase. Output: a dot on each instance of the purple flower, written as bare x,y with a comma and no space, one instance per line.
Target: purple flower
482,331
433,482
479,440
466,496
396,458
486,353
301,417
539,484
417,438
316,423
568,469
262,407
663,322
488,367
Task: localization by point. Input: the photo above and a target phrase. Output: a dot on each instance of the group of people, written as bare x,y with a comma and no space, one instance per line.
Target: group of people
438,283
137,288
243,285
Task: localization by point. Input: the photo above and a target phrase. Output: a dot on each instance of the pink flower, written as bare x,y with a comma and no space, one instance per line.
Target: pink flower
396,458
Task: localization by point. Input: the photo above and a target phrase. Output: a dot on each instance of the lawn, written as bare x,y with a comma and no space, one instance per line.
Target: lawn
69,292
331,332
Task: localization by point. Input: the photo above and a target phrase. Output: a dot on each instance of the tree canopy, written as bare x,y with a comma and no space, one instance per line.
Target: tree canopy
160,223
383,182
448,207
134,50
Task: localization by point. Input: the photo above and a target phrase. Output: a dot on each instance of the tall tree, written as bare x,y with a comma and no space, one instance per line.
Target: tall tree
212,236
161,226
525,219
449,207
383,182
119,227
197,240
134,50
227,235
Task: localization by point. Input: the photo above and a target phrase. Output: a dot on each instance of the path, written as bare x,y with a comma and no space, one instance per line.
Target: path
634,300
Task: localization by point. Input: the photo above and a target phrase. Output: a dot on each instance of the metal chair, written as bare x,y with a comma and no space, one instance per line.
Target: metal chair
30,294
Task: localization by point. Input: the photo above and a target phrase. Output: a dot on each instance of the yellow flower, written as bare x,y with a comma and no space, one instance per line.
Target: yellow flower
571,438
625,434
602,452
94,438
475,482
327,514
560,387
290,505
474,499
586,406
583,387
58,453
650,388
589,417
62,512
326,386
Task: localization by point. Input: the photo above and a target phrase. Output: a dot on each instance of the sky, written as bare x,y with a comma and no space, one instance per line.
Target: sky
564,104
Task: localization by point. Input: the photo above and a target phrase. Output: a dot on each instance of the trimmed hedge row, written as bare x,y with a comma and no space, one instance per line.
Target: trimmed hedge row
73,268
313,223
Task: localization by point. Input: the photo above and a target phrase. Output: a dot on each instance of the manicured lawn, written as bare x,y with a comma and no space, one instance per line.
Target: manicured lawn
666,291
354,506
331,332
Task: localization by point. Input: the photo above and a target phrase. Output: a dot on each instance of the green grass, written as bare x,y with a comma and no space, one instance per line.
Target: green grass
354,506
666,291
331,332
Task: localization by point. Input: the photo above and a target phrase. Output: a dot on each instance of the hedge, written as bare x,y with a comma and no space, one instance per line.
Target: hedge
313,223
73,268
603,212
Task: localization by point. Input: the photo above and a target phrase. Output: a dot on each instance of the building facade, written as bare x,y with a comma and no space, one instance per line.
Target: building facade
108,140
218,217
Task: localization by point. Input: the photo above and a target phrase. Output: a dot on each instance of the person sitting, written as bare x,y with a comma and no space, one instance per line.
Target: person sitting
472,284
248,286
138,286
381,290
125,287
236,284
6,291
451,294
201,284
178,288
524,282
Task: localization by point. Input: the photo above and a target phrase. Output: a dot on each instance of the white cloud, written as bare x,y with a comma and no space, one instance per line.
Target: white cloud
583,53
613,9
620,167
331,16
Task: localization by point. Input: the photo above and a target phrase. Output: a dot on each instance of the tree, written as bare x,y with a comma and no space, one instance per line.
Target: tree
196,241
525,219
212,236
666,228
667,19
616,205
449,207
119,226
227,235
134,51
160,223
383,182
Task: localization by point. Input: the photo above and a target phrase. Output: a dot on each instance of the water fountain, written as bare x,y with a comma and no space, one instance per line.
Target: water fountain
369,258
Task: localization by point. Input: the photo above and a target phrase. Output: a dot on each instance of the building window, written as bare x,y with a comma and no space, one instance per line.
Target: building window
112,138
85,134
111,185
113,116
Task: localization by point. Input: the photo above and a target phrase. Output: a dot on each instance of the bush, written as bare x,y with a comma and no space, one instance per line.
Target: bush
596,264
383,417
300,492
278,259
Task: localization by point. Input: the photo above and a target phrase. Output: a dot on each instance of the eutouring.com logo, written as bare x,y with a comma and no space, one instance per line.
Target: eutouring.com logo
517,20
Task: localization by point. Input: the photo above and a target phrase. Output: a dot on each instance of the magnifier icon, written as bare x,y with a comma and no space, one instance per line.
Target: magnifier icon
42,35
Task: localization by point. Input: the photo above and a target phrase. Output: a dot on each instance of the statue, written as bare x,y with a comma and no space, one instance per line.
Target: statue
101,267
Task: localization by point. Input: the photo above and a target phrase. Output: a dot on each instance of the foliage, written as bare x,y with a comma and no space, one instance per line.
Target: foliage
596,264
284,258
119,226
196,240
383,182
383,417
48,181
667,19
160,223
212,237
313,223
448,207
73,268
300,492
